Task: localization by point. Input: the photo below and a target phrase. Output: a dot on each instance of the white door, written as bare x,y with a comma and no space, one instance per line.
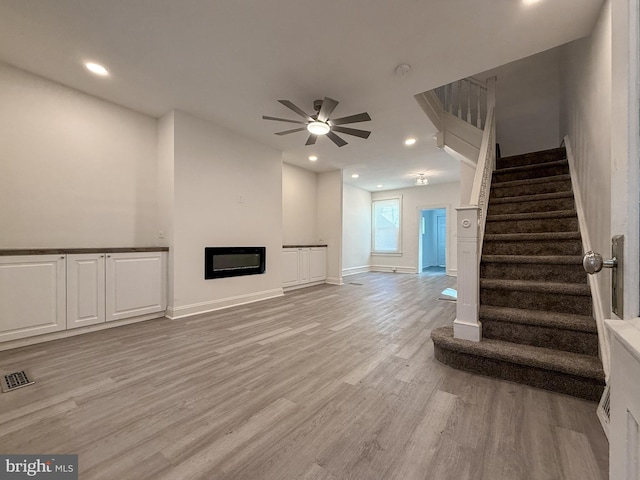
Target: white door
135,284
85,289
304,265
32,295
290,267
317,264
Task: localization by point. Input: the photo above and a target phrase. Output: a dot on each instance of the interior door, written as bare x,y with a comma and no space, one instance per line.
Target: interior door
441,225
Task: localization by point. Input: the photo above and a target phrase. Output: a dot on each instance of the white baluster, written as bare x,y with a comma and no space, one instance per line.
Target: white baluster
469,103
479,117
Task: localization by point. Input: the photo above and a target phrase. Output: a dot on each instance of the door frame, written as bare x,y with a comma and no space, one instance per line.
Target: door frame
418,220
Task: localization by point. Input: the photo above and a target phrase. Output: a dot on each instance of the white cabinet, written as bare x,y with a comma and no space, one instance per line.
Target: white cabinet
48,293
32,295
85,289
317,264
113,286
303,266
135,284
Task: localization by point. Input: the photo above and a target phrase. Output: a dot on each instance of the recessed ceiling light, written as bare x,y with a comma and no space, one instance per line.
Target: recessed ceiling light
379,186
530,2
97,69
355,175
313,158
410,141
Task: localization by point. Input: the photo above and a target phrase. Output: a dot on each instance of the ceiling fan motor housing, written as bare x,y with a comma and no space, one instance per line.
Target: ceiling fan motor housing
317,105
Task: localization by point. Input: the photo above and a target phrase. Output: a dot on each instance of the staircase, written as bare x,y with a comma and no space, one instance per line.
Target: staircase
535,302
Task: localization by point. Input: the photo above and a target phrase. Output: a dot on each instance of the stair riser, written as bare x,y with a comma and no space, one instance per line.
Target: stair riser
532,159
568,224
552,302
528,271
532,189
576,386
537,172
538,336
550,205
528,247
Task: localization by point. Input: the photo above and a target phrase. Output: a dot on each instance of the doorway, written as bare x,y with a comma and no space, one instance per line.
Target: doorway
432,250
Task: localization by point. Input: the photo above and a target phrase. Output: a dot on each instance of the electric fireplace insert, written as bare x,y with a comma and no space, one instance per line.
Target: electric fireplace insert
220,262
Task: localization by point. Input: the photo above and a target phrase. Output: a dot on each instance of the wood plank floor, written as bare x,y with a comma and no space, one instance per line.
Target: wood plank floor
325,383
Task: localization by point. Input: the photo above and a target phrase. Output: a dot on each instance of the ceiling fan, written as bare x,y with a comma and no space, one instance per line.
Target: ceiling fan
320,123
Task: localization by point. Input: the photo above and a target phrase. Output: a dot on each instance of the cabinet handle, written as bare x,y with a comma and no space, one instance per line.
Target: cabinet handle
101,256
62,257
108,256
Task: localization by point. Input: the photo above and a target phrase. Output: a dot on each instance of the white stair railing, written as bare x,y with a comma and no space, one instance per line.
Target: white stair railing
471,224
466,99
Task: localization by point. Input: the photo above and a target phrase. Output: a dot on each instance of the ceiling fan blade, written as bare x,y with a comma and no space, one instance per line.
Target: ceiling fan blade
336,139
328,106
360,117
298,110
352,131
264,117
291,131
311,140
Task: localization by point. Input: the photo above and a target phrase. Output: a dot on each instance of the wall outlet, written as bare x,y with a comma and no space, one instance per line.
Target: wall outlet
160,234
241,198
394,270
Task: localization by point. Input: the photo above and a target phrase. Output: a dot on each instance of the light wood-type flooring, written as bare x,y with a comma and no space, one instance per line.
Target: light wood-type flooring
325,383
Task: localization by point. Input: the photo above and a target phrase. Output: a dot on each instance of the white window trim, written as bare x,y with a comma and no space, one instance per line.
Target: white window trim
397,253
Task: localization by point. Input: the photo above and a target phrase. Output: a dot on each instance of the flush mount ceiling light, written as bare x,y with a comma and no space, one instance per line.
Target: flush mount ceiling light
96,69
422,180
318,128
355,175
530,2
379,186
410,141
313,158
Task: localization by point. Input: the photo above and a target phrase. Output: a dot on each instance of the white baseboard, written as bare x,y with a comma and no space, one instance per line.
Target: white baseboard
211,306
393,269
355,270
47,337
335,281
467,331
304,285
452,272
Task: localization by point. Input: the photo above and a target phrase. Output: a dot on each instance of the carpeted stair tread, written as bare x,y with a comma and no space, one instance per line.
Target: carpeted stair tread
532,166
564,321
505,217
530,181
536,286
575,364
532,198
520,237
535,157
534,259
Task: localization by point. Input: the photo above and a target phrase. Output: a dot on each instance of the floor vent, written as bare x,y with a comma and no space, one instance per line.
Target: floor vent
11,381
355,283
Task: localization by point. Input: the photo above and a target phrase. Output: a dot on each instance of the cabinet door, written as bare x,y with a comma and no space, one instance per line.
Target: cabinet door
290,268
85,290
32,295
317,264
135,284
304,265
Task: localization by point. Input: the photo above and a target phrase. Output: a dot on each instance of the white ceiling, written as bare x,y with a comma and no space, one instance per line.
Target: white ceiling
229,61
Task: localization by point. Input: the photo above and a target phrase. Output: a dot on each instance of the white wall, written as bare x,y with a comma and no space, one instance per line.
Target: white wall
356,230
330,222
299,205
75,171
414,199
227,192
527,103
586,118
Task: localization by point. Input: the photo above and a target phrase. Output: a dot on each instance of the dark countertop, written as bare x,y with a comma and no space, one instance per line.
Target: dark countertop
304,246
71,251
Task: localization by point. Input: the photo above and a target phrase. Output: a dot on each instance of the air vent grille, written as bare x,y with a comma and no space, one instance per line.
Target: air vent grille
11,381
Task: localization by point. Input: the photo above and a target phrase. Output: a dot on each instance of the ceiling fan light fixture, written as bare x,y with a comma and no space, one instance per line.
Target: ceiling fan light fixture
318,128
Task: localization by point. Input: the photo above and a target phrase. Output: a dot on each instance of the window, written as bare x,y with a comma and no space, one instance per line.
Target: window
386,225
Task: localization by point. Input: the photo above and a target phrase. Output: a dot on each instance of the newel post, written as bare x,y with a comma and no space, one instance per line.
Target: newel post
467,325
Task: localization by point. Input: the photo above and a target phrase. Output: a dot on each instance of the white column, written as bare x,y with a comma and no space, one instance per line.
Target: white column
467,325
